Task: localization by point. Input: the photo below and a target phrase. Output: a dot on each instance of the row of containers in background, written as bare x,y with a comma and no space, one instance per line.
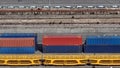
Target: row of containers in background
26,43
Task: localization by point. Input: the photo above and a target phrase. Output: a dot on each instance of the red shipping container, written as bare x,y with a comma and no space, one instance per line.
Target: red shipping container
62,40
17,42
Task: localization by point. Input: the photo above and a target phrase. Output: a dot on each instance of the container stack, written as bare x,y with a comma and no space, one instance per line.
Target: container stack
102,44
17,43
62,44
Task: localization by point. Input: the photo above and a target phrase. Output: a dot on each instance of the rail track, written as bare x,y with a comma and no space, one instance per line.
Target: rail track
58,16
39,11
61,25
60,21
59,30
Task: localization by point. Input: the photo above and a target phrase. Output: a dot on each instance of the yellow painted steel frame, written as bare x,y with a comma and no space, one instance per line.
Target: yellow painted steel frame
105,59
81,59
21,59
64,59
60,59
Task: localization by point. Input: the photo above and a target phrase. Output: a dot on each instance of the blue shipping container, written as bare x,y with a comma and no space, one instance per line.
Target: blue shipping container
18,35
103,40
101,49
62,49
17,50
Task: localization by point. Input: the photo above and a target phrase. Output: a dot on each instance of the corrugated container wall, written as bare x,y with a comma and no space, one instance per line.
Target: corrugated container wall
17,42
102,44
102,49
103,40
17,50
18,35
62,40
62,44
62,49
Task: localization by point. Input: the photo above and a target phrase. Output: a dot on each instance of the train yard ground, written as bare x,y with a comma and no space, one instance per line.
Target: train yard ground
100,22
59,2
84,26
31,2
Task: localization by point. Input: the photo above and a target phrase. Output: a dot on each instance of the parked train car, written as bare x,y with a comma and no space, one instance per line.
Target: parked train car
97,50
59,50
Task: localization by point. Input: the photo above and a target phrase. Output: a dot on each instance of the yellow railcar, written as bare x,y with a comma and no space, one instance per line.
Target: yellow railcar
60,59
104,59
20,59
81,59
64,59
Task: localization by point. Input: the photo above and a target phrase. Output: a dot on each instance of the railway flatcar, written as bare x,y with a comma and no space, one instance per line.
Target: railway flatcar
59,50
97,50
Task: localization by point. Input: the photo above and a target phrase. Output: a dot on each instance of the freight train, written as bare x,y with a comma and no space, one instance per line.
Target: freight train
21,48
